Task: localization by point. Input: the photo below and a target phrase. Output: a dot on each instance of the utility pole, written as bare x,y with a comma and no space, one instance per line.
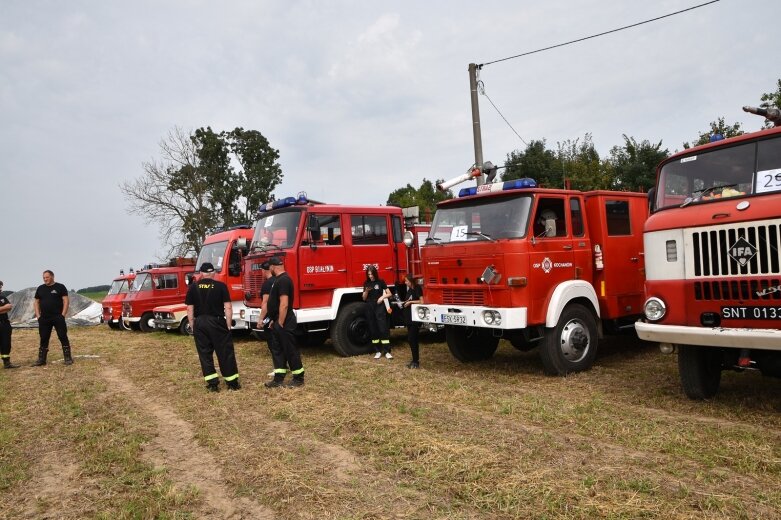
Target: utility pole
478,139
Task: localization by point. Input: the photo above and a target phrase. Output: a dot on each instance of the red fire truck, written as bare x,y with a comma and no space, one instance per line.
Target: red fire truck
712,248
225,251
539,267
327,248
155,285
112,303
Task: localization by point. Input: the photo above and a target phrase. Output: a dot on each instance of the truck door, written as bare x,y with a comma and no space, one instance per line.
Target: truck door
371,245
581,243
323,261
551,253
624,272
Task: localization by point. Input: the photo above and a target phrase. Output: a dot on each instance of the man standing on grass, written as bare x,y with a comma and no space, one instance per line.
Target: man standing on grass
210,312
5,331
282,324
51,306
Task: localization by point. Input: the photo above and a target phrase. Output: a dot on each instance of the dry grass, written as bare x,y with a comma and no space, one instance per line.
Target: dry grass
132,433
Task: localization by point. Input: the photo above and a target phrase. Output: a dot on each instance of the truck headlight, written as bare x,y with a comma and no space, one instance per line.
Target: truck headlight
424,313
654,309
492,317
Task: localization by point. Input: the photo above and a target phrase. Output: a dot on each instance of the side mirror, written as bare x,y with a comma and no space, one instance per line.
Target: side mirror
188,278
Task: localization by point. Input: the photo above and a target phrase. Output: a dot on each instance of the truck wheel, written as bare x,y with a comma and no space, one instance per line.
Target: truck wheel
134,325
114,326
470,343
184,328
350,331
571,345
147,323
700,370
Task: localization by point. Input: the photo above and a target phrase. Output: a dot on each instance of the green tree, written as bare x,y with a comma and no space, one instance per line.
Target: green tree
716,127
634,164
581,165
195,188
426,197
536,162
772,99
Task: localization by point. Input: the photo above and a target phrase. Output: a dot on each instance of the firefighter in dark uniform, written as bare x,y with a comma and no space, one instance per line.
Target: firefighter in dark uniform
283,322
5,331
375,291
209,310
51,306
265,291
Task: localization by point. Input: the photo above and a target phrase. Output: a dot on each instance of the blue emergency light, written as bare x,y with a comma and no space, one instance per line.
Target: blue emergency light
284,203
516,184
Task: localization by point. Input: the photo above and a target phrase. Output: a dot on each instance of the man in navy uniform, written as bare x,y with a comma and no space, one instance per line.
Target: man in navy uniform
51,306
283,323
5,331
210,313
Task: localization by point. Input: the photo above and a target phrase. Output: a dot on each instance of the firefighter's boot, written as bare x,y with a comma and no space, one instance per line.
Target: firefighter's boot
66,354
276,382
7,363
42,352
298,380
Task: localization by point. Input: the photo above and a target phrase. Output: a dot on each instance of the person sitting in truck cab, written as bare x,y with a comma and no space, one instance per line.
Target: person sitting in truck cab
545,223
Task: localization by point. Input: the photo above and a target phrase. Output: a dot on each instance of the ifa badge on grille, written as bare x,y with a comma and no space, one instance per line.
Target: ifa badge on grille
742,251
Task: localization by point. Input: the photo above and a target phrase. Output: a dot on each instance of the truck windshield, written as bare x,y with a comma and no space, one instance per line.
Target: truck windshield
276,231
743,169
481,219
118,287
212,253
143,282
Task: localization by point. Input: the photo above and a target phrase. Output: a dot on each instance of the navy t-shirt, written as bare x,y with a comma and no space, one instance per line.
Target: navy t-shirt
50,299
376,289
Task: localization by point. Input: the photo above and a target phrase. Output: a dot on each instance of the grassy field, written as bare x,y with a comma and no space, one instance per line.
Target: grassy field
129,431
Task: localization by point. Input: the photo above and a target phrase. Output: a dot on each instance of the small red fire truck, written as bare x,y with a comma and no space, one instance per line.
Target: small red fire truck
539,267
225,251
155,285
326,248
712,249
112,303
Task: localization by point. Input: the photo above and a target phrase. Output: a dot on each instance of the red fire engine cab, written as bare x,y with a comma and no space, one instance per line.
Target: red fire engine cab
112,303
326,249
712,248
539,267
155,285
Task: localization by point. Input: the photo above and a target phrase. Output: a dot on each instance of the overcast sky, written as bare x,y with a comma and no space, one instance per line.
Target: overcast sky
359,97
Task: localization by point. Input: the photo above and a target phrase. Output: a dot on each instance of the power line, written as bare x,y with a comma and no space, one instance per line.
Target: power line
481,88
597,35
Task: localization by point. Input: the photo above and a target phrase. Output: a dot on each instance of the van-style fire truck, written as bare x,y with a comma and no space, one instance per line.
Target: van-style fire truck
326,249
549,268
713,266
112,303
155,285
225,251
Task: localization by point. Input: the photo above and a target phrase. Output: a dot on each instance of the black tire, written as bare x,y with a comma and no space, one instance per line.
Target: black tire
700,371
522,343
350,331
147,323
184,327
571,345
470,343
134,325
113,326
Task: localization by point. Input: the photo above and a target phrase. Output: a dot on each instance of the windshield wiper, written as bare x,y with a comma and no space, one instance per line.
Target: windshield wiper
479,234
705,191
436,240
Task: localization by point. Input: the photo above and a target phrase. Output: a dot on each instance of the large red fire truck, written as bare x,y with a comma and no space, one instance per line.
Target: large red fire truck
155,285
540,267
712,249
112,303
225,251
327,248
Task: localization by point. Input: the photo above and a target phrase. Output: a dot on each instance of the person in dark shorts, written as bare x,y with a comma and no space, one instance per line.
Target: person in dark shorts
51,306
5,331
209,310
283,323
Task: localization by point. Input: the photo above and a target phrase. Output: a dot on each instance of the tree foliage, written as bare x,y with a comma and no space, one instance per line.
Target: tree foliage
716,127
426,197
203,181
536,162
634,164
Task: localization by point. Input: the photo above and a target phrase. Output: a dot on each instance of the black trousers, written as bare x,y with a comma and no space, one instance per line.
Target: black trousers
412,338
5,338
212,336
57,322
377,317
285,354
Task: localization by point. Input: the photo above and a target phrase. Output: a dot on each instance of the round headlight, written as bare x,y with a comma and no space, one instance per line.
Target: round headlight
423,313
654,309
488,317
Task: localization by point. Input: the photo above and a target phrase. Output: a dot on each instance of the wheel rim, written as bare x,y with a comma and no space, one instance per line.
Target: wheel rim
575,341
358,331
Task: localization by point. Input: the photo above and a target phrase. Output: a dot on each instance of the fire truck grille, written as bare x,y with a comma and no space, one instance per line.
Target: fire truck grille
253,282
738,290
737,250
463,297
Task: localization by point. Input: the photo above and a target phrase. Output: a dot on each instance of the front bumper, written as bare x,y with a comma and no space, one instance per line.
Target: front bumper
762,339
472,316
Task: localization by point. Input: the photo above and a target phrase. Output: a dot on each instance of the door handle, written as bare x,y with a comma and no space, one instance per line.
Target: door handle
341,270
389,268
566,247
633,259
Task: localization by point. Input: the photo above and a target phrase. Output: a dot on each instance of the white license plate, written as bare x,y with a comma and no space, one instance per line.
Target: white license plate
455,319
